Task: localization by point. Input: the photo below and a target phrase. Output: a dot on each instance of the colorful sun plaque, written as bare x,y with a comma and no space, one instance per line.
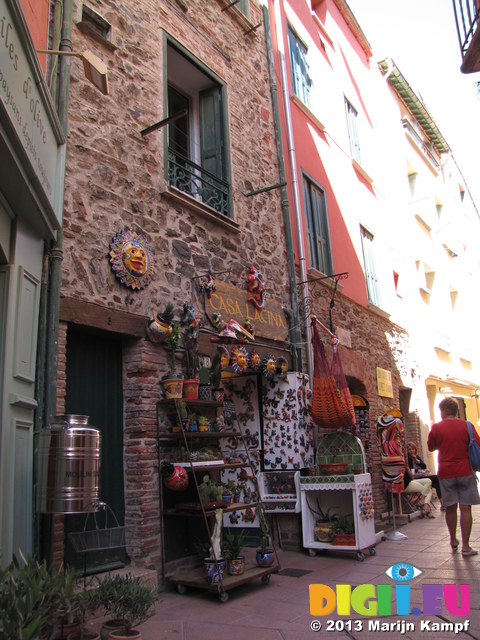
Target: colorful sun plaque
131,259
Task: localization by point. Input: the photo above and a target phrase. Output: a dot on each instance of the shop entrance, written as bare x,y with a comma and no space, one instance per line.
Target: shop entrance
94,388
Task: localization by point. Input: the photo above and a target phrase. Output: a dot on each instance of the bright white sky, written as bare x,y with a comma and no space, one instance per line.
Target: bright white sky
421,38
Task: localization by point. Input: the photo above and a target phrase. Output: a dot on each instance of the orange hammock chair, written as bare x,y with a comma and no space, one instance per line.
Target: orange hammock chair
332,406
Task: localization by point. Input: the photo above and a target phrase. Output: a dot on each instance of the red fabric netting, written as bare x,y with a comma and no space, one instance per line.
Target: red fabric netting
332,406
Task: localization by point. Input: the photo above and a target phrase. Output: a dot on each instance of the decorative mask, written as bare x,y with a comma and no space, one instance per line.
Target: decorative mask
131,259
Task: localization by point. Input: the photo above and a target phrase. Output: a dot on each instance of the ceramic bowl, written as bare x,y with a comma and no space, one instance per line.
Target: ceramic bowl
333,468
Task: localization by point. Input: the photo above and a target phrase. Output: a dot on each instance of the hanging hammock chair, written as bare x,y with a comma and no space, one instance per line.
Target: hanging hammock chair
332,406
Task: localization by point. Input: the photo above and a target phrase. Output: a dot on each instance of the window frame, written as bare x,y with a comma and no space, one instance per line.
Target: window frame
297,55
317,225
194,127
371,277
352,128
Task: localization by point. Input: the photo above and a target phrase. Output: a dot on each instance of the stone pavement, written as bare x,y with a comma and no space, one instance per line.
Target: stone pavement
280,610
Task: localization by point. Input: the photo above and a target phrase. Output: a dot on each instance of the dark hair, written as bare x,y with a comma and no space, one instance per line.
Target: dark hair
449,406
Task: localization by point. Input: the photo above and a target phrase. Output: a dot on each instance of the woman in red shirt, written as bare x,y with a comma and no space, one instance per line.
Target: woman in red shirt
458,482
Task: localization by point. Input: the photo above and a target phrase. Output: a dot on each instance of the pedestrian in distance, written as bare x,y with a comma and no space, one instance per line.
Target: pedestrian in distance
419,469
457,480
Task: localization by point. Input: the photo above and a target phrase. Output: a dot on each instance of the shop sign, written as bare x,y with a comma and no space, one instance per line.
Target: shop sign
231,302
384,383
27,103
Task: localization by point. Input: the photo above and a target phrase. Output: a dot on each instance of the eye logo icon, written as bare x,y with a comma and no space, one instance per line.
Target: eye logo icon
403,572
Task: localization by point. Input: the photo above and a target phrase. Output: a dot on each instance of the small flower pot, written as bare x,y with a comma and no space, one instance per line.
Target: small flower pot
205,391
344,539
214,570
190,388
218,394
265,559
236,566
324,532
173,387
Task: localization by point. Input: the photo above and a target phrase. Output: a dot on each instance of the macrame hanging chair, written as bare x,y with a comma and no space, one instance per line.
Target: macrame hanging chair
332,406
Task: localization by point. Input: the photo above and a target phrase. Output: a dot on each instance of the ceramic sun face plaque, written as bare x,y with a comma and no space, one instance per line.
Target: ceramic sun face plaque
131,259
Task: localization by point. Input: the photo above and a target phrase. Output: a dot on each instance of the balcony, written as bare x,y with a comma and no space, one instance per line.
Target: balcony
192,179
467,17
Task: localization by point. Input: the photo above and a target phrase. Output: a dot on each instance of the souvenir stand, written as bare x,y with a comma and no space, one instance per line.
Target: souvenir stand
347,493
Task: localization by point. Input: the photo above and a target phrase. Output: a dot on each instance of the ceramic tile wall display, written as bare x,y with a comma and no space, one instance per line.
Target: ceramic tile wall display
131,259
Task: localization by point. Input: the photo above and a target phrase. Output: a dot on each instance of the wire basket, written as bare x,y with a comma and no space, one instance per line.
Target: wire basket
98,539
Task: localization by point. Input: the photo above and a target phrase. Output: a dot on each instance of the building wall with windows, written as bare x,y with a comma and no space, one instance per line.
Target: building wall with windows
377,189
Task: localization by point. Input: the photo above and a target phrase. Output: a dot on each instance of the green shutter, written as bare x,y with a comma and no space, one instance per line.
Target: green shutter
211,132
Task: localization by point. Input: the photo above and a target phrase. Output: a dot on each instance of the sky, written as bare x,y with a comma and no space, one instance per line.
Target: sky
421,38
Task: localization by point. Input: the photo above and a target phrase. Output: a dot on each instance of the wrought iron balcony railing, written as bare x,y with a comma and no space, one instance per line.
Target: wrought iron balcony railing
408,126
196,181
467,18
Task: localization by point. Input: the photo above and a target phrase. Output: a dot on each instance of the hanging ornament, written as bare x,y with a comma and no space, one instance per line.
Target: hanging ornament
253,360
269,366
238,359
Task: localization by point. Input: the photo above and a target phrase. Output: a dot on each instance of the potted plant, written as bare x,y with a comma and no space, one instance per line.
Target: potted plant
86,601
192,421
173,382
233,544
344,531
129,600
265,554
215,376
190,341
183,413
202,422
35,598
324,531
174,477
215,563
205,386
159,327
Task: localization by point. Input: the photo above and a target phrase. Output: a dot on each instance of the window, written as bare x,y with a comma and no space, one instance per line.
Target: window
317,227
301,81
373,289
197,146
243,6
352,131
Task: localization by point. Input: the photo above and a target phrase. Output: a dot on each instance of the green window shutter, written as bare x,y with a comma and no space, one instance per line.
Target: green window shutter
373,288
318,232
312,249
211,132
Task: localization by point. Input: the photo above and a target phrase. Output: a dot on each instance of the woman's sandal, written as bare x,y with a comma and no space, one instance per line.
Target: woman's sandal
425,509
454,547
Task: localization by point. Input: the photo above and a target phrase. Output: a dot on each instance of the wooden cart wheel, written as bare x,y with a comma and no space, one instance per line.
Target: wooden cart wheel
372,551
266,579
223,597
181,588
360,556
312,553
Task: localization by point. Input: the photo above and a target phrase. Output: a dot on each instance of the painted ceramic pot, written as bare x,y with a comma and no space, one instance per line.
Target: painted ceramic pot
347,539
324,532
265,559
173,387
190,388
205,391
214,570
236,566
158,331
218,394
178,481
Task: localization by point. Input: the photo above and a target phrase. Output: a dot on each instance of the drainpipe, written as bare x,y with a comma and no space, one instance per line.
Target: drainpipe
293,314
293,170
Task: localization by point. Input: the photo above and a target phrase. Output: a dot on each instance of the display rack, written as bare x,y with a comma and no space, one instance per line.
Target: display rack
197,577
349,494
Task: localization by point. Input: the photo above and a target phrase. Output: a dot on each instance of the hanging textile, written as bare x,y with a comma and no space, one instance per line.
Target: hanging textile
391,438
332,406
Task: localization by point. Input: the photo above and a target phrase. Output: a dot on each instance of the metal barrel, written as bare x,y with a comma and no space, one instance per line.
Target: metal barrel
69,466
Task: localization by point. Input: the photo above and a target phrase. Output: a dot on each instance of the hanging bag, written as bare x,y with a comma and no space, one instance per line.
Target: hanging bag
473,449
332,405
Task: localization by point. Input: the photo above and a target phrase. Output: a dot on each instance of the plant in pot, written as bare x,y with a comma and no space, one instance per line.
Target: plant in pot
173,382
324,531
215,376
190,340
202,422
233,544
35,599
344,531
129,600
215,563
265,554
86,602
159,327
183,413
192,421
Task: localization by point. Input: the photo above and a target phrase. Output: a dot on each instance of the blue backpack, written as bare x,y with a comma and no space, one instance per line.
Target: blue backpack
473,449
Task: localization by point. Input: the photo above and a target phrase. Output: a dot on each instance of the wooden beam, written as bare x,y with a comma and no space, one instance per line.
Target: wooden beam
89,314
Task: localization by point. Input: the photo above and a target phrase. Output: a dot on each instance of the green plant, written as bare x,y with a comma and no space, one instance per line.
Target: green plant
166,468
127,599
172,341
215,372
343,524
265,534
182,409
233,543
209,491
325,516
191,354
167,315
34,598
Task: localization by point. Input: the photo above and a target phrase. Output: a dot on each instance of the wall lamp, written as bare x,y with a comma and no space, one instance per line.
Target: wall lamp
94,69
